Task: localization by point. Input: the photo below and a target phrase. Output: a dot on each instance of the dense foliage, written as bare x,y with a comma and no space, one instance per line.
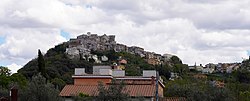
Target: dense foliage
57,65
197,90
7,81
39,90
236,88
114,92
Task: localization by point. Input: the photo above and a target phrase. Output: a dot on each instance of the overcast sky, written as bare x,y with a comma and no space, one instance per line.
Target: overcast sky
201,31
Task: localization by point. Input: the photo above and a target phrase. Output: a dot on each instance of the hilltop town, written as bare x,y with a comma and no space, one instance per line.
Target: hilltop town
82,46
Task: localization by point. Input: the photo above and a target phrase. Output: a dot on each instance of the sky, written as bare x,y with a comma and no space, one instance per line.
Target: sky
197,31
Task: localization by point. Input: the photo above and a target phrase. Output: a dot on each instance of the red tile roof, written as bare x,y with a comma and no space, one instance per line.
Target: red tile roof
92,90
72,90
123,61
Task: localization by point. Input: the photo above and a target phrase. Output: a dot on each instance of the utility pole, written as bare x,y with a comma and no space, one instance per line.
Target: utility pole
156,87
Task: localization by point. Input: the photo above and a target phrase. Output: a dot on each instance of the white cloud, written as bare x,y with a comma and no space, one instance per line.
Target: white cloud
14,67
22,44
199,31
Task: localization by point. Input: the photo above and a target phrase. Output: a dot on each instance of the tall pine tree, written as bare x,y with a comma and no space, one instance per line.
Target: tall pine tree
41,64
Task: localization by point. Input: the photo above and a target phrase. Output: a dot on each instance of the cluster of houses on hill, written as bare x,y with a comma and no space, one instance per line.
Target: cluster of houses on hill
216,68
82,46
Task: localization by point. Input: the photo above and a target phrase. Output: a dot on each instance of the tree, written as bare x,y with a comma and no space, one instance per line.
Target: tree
7,81
197,90
4,77
243,76
181,69
4,92
39,90
164,70
245,96
19,79
59,83
113,92
41,64
83,97
131,70
4,71
175,60
243,73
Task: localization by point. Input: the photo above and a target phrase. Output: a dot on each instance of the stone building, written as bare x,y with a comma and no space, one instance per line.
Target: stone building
137,50
121,48
82,46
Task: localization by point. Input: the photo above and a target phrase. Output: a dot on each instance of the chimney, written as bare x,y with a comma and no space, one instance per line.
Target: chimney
14,93
79,71
152,80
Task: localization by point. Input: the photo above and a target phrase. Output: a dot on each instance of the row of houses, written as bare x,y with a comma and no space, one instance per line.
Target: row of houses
216,68
83,44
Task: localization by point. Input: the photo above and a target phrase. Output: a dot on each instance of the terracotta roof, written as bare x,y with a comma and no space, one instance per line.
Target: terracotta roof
72,90
123,61
92,90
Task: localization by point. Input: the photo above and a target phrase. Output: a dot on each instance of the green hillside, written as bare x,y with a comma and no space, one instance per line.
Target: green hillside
59,69
59,66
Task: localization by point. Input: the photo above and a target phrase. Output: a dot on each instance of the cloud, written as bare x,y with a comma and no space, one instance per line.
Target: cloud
14,67
212,14
21,45
199,31
181,37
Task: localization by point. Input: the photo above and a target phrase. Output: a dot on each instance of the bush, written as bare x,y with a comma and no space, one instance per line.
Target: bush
39,90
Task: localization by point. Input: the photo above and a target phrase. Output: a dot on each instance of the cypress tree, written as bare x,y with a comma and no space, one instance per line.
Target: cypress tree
41,63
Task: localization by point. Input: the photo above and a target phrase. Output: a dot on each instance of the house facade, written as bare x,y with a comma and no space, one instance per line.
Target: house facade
136,86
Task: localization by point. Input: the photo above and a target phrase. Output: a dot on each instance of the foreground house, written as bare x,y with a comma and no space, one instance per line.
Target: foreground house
136,86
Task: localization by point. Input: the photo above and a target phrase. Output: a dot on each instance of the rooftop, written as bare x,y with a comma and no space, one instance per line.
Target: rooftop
92,90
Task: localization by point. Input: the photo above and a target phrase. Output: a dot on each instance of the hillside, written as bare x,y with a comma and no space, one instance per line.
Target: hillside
61,60
60,65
